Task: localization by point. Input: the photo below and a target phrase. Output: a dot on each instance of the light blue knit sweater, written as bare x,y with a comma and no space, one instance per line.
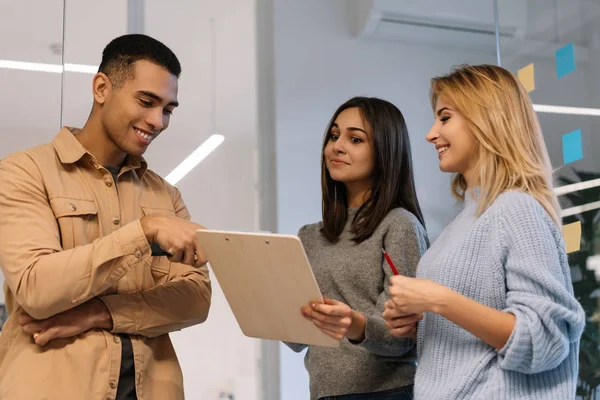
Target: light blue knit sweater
511,258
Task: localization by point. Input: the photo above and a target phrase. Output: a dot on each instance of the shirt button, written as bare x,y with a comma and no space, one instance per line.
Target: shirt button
72,207
116,220
113,384
138,254
116,339
108,182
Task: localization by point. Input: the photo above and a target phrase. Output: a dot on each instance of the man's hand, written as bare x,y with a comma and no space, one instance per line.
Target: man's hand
90,315
176,236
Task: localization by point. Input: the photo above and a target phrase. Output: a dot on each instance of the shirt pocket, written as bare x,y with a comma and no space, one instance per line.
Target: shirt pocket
160,265
77,220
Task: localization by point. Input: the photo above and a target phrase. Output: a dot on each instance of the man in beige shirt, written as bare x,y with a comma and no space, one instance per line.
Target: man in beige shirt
89,307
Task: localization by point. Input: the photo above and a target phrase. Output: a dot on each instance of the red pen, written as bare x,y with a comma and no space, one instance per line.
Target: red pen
389,261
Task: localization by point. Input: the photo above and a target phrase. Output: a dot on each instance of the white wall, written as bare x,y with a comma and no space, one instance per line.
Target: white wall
319,65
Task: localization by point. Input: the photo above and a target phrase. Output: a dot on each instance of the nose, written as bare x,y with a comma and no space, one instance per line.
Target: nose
338,147
433,134
157,120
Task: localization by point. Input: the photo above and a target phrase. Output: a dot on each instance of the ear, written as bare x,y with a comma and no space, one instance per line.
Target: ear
101,88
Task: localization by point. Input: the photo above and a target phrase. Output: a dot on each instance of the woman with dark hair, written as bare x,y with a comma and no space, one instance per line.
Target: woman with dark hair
369,204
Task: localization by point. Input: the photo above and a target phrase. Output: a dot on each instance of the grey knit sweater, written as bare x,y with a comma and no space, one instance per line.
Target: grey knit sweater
511,258
357,275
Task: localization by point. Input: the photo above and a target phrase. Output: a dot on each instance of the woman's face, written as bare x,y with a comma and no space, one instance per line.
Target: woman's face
349,155
453,141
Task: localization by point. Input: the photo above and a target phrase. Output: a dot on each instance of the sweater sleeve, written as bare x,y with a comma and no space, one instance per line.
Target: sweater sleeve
539,289
405,242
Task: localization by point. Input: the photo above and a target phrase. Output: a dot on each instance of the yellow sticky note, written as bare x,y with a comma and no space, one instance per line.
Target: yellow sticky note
572,236
527,77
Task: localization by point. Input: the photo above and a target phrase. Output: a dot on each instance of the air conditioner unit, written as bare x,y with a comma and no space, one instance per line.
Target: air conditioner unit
465,23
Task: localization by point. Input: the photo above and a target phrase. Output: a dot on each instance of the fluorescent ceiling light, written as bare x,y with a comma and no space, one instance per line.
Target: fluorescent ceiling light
29,66
54,68
567,212
194,159
575,187
84,69
543,108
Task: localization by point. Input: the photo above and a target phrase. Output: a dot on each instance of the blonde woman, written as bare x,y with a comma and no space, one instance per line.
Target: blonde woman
500,319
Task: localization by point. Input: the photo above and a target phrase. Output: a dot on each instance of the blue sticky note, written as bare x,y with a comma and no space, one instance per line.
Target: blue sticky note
565,60
572,149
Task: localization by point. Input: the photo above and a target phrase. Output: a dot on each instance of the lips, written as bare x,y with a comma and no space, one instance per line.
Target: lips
336,161
442,149
145,136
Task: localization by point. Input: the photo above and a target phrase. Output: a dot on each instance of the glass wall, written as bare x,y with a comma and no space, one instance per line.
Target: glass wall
217,95
30,101
555,49
30,104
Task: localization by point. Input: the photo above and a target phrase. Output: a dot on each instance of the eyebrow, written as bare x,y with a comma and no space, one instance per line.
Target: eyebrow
157,97
351,128
441,110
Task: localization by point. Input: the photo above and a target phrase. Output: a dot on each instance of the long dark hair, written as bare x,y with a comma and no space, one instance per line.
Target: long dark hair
393,181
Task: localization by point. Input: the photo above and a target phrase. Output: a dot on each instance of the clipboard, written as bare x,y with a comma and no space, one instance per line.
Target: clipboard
266,279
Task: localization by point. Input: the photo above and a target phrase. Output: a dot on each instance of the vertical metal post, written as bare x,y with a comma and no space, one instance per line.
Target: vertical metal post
62,62
267,176
135,16
213,75
497,33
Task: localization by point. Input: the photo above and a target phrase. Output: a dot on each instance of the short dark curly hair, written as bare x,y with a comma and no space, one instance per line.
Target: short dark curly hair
119,56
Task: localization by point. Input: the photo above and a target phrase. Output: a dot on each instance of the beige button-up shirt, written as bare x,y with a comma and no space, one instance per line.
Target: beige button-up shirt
67,236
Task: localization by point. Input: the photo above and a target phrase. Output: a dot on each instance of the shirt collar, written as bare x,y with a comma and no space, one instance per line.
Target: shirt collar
70,151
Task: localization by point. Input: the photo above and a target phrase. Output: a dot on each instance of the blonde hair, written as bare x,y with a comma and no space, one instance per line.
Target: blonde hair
511,152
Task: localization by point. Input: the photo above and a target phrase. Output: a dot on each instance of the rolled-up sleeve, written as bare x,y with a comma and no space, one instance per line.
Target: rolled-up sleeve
549,319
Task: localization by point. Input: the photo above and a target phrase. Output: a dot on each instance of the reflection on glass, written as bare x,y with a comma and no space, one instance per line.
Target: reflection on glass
86,34
30,105
561,39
